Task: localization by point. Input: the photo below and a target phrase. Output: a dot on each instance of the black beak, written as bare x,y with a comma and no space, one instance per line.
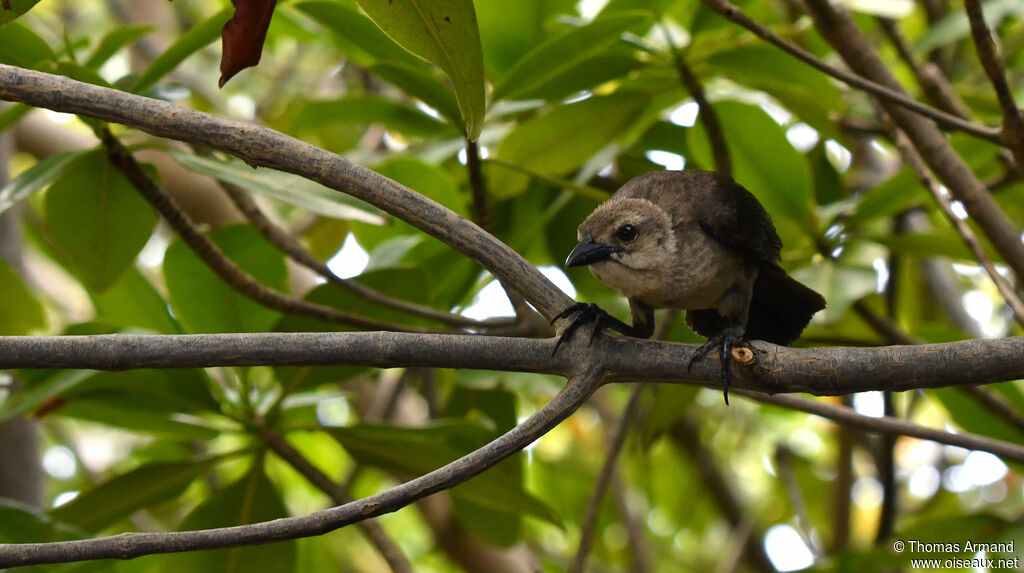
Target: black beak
589,252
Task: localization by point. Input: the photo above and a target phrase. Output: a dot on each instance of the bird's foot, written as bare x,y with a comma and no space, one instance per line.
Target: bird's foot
723,342
586,314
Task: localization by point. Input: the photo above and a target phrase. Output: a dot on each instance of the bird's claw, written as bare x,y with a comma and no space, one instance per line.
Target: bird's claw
723,342
587,313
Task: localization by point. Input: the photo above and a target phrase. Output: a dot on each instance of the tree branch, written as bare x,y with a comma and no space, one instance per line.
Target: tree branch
131,545
220,263
386,546
838,28
862,82
291,247
604,478
260,146
890,426
822,371
1013,121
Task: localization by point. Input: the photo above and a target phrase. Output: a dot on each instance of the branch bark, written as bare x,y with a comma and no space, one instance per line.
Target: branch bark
130,545
262,147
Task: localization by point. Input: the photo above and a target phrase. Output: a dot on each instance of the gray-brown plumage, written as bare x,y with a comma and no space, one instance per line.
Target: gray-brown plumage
699,242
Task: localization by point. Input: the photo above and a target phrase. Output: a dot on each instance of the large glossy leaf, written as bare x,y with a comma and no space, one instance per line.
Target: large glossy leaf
545,63
159,424
115,499
423,85
443,32
114,41
200,36
20,523
20,312
20,46
132,302
763,161
425,179
955,26
357,35
249,500
205,303
12,9
282,186
416,451
802,90
561,140
364,110
97,221
29,399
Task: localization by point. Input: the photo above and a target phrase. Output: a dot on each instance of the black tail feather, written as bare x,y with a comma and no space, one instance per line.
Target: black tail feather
781,306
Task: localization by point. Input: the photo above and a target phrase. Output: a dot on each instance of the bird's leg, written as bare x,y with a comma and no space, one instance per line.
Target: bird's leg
734,308
598,319
723,342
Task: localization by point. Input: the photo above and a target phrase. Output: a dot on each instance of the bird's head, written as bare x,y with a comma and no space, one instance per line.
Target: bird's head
623,240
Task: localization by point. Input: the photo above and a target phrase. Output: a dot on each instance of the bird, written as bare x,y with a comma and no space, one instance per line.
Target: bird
697,241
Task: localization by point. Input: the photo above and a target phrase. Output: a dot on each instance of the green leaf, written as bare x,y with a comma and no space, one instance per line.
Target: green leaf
955,26
364,110
763,161
114,41
941,243
205,303
840,284
427,180
561,140
20,523
249,500
11,114
31,398
892,196
20,46
163,425
282,186
423,85
358,36
20,312
584,75
133,302
508,34
97,221
417,451
802,90
545,63
117,498
158,391
13,9
200,36
443,32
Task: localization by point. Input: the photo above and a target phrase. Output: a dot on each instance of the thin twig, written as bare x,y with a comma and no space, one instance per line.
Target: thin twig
380,539
686,434
634,530
733,13
706,113
217,261
1013,121
934,83
839,29
615,442
289,246
131,545
889,425
913,158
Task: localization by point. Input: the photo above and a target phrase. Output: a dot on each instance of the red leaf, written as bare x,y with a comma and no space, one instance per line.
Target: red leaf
243,36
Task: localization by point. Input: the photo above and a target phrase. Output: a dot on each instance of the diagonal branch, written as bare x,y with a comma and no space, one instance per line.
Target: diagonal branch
131,545
263,147
216,260
1013,121
386,546
288,245
862,82
838,28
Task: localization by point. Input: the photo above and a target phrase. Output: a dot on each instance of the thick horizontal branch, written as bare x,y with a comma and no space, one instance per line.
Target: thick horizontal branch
774,369
264,147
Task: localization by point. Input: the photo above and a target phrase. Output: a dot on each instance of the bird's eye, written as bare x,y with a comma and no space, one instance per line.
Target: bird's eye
626,233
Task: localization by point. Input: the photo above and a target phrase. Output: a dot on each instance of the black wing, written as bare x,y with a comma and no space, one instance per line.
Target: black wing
735,218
